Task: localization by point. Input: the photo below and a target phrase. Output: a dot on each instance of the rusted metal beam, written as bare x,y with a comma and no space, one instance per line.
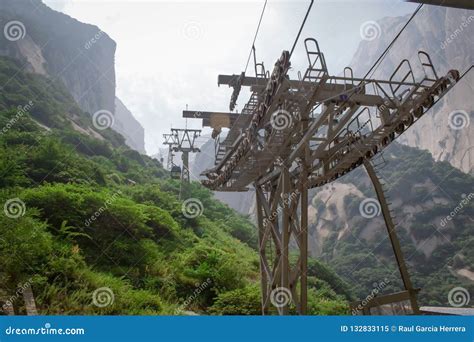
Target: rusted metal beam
214,119
397,249
298,134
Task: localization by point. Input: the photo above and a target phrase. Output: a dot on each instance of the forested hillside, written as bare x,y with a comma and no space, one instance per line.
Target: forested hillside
96,228
432,204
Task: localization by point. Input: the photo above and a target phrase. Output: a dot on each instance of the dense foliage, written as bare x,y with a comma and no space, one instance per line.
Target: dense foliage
422,193
88,213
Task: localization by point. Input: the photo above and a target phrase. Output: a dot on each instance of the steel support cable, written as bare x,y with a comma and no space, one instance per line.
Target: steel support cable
377,63
379,60
252,48
301,27
383,55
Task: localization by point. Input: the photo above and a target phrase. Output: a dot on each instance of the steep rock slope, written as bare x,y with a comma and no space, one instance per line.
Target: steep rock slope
448,36
129,127
347,228
97,215
80,55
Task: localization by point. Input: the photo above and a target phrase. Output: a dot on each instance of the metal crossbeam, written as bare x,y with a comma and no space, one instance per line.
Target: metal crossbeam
170,140
182,140
293,135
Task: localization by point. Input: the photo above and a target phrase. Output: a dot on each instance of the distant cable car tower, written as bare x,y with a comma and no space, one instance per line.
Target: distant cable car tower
171,141
185,143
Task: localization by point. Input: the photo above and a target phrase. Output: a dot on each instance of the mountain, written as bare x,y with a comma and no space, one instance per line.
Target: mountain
423,191
433,206
447,34
94,227
80,55
129,127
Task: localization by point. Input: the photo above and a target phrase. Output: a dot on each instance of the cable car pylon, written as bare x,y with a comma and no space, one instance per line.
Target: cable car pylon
297,134
181,140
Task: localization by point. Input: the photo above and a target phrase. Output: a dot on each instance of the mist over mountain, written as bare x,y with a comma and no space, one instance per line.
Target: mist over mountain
426,180
447,35
80,55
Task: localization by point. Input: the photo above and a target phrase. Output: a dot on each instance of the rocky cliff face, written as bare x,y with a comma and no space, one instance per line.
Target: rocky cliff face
448,36
129,127
423,192
78,54
432,204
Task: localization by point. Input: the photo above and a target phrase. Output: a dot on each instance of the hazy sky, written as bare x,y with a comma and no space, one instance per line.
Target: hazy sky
169,53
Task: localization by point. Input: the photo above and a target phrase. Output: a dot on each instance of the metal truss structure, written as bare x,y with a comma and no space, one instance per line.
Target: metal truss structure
171,141
293,135
183,140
